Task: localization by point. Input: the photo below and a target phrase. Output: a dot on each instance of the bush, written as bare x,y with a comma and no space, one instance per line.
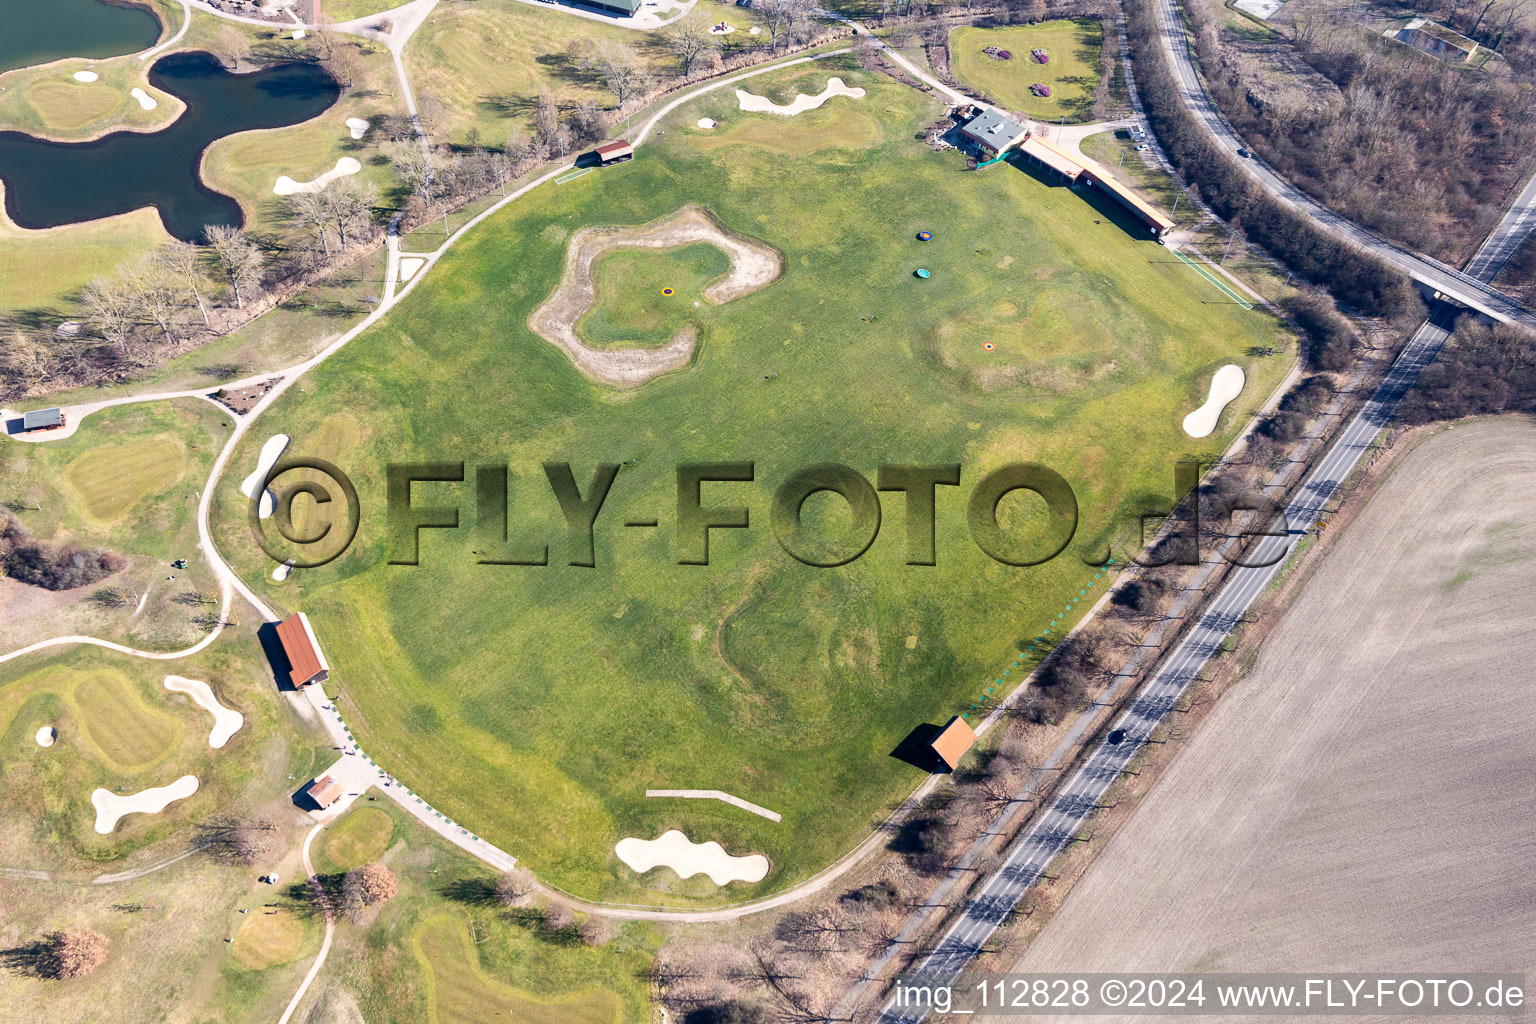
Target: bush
369,885
78,952
881,895
52,566
924,841
1482,370
1331,340
1141,594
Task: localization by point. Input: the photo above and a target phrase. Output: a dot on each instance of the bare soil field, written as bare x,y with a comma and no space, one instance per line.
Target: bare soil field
1361,801
754,265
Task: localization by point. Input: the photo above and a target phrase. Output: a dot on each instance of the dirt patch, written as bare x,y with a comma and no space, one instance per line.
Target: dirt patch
243,400
1319,818
754,266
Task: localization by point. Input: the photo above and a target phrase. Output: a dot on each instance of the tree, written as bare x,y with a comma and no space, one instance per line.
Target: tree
183,260
1034,10
345,64
621,69
348,206
156,294
235,840
78,952
111,311
239,260
559,917
231,47
596,931
368,886
688,43
513,888
546,118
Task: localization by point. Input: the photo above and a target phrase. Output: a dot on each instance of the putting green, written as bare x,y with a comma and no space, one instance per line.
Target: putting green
536,705
461,992
361,836
267,940
109,480
641,292
130,734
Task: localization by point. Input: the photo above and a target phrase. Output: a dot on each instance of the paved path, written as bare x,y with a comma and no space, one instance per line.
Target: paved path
1472,291
325,944
186,21
717,794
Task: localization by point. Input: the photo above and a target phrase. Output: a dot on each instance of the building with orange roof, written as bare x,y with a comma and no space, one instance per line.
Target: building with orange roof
950,745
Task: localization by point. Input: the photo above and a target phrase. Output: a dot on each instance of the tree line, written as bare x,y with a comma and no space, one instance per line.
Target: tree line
1351,275
28,559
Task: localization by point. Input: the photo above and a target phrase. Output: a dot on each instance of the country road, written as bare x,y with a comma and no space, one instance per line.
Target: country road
1466,287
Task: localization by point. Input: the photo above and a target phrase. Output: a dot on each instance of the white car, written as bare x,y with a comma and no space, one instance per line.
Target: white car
1142,148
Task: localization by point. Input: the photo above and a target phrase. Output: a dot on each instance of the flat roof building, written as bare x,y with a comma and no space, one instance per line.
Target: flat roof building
622,8
325,791
1066,164
306,661
1437,40
950,745
42,419
994,131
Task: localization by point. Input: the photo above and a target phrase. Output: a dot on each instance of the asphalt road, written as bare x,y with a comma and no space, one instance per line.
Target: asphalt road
1466,287
1512,231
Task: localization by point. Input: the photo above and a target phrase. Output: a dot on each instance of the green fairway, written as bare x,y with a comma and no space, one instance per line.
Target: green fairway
536,705
1072,72
645,296
266,940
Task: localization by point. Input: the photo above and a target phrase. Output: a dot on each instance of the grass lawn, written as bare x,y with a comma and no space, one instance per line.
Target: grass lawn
45,270
362,835
1072,73
633,307
536,705
127,481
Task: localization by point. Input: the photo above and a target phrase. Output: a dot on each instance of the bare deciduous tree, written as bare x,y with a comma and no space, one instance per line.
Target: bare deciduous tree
688,43
239,260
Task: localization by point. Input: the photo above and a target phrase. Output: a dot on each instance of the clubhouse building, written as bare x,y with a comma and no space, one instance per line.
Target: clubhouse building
996,135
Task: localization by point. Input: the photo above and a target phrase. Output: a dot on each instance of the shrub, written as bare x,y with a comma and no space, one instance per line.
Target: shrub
78,952
1040,89
369,885
52,566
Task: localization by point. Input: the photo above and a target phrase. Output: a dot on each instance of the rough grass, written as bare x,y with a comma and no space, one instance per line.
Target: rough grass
45,270
631,308
537,704
111,479
1072,74
463,992
1382,724
361,836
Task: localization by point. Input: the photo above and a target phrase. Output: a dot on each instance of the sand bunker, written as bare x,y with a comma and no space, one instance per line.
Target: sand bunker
275,446
674,850
409,265
146,101
46,736
110,807
226,721
754,266
358,127
802,102
1226,384
286,186
706,122
282,571
86,76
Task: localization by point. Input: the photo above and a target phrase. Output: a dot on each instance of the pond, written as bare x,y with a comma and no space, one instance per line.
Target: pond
53,183
39,31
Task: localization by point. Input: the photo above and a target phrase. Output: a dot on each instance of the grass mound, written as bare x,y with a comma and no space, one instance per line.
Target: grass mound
111,479
267,940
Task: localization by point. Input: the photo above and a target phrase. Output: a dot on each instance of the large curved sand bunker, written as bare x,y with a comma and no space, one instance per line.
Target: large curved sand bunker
801,103
111,807
754,266
674,850
226,721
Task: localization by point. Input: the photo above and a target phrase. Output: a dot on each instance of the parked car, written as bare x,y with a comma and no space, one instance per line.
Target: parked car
1142,148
